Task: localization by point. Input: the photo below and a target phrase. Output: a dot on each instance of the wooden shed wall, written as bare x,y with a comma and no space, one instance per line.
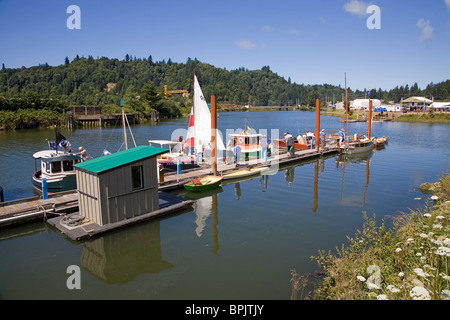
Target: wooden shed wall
88,193
118,199
109,197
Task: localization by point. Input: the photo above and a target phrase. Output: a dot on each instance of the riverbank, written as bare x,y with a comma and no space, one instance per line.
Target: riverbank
408,262
429,117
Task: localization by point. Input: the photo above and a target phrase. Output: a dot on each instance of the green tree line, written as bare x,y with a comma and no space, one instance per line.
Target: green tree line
140,82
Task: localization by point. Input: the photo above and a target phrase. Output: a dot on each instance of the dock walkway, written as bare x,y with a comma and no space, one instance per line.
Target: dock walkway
31,209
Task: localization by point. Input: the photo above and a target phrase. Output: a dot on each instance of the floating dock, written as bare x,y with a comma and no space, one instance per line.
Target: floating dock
78,228
26,210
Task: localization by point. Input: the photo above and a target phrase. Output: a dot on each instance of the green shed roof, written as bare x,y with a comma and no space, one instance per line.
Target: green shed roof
120,158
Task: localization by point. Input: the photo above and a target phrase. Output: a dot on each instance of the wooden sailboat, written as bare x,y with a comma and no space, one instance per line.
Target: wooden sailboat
199,131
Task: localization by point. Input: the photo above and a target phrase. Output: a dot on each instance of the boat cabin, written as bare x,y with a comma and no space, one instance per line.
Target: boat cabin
119,186
57,168
248,142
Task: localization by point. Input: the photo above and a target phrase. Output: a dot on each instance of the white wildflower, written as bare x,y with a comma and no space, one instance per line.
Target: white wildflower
434,197
418,254
423,235
443,251
440,217
361,278
437,242
401,274
393,289
427,215
419,293
398,250
420,272
437,226
382,297
447,242
444,276
409,240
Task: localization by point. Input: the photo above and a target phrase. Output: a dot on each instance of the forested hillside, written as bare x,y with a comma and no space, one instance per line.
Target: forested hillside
104,82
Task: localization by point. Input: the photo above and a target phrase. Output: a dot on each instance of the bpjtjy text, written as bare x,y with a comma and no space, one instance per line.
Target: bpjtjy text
242,310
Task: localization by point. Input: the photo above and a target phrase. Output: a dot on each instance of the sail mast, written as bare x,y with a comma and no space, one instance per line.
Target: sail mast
193,112
346,110
124,130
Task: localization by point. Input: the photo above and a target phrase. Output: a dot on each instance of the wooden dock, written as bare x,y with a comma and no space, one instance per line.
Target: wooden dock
35,208
31,209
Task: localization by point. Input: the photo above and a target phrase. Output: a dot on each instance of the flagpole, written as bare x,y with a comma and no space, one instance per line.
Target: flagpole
56,140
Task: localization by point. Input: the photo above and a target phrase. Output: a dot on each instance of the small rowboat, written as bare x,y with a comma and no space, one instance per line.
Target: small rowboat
243,173
202,184
379,142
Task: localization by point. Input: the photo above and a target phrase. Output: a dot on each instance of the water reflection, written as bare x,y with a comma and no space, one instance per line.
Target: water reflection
342,161
121,257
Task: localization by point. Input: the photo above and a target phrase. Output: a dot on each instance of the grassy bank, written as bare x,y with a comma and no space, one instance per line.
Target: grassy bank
410,261
430,117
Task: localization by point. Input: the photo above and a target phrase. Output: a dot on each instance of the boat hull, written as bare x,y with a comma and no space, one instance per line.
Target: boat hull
243,173
206,183
172,165
281,144
62,184
379,142
358,147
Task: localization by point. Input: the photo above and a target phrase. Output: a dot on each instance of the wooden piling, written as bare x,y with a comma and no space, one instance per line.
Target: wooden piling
316,133
369,121
213,135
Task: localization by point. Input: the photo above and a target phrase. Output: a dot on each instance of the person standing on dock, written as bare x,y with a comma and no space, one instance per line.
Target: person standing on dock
84,154
341,136
200,151
309,136
264,148
322,138
289,140
237,152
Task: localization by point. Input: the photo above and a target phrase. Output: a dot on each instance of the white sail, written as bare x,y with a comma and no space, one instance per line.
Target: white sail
202,122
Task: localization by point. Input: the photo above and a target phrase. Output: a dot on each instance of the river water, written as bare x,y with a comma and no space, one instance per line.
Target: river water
240,241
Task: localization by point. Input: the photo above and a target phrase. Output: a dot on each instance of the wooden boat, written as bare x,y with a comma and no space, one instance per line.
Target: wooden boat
379,142
203,184
357,146
170,159
58,170
281,144
250,143
240,173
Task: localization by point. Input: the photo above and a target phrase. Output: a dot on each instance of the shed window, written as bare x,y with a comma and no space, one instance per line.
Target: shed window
137,177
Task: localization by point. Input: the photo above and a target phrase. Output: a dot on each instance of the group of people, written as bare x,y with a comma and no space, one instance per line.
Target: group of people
307,137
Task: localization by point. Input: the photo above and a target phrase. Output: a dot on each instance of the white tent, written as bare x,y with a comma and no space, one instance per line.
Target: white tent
364,103
417,101
441,105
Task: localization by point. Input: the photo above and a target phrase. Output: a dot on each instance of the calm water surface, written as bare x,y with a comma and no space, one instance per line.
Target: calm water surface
240,241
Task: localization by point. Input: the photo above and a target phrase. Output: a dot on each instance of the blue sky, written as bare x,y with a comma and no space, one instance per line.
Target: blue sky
311,42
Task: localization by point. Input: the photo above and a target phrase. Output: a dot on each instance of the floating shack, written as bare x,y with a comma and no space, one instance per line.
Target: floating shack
116,190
